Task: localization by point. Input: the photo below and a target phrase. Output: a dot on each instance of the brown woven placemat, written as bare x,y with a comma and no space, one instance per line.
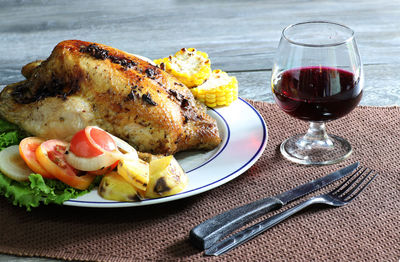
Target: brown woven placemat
368,229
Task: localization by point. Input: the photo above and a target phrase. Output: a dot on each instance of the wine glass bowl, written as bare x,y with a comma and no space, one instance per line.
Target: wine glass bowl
317,77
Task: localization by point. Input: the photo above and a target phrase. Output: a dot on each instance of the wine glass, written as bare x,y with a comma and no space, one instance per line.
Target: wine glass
317,77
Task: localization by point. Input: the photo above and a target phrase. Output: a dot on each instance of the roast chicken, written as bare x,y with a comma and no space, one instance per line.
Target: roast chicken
84,83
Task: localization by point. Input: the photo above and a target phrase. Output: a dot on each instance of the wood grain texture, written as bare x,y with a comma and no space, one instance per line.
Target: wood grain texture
239,36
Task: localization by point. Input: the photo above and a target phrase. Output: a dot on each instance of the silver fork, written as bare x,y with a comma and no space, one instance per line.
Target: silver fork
340,196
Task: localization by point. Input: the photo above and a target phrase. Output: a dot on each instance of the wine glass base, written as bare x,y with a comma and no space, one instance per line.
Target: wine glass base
339,150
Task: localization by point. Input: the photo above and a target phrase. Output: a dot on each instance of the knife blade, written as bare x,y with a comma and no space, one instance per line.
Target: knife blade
210,231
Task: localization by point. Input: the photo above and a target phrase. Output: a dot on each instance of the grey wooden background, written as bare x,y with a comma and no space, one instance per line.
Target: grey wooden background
239,36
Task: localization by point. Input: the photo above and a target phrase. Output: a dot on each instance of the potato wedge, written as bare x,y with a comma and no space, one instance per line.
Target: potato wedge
166,178
115,187
147,157
135,172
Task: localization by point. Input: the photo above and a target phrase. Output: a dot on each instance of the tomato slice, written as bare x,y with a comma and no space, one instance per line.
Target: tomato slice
103,139
91,142
105,170
81,146
51,156
27,149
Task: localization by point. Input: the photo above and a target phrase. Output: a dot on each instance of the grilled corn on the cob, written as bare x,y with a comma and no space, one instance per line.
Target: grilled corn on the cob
188,65
219,90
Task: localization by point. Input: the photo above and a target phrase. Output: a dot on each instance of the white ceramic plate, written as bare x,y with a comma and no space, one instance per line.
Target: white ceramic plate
244,137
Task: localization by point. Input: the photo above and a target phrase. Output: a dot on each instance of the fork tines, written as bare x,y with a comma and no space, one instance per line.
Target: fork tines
347,190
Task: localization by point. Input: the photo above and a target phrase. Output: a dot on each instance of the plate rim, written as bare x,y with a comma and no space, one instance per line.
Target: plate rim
195,191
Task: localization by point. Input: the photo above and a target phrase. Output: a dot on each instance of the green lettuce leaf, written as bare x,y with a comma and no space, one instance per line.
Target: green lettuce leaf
38,189
10,134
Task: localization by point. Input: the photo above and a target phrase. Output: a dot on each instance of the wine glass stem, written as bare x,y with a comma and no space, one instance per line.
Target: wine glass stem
316,137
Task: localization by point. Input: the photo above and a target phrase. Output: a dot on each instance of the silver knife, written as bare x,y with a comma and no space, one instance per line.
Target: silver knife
212,230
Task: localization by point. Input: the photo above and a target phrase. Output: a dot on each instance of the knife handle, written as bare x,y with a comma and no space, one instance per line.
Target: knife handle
255,230
210,231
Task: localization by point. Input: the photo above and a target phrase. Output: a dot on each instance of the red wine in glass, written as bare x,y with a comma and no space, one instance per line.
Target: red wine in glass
317,77
317,93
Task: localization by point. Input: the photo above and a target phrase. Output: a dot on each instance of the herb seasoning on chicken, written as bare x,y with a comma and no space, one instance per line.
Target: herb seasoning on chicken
85,84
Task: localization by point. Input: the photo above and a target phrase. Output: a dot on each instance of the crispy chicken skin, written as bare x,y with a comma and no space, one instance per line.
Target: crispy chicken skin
84,83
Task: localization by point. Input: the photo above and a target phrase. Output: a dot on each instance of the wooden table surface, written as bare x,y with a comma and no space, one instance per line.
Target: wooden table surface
240,36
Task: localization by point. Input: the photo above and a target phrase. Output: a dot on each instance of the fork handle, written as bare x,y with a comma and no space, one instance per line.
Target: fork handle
210,231
253,231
